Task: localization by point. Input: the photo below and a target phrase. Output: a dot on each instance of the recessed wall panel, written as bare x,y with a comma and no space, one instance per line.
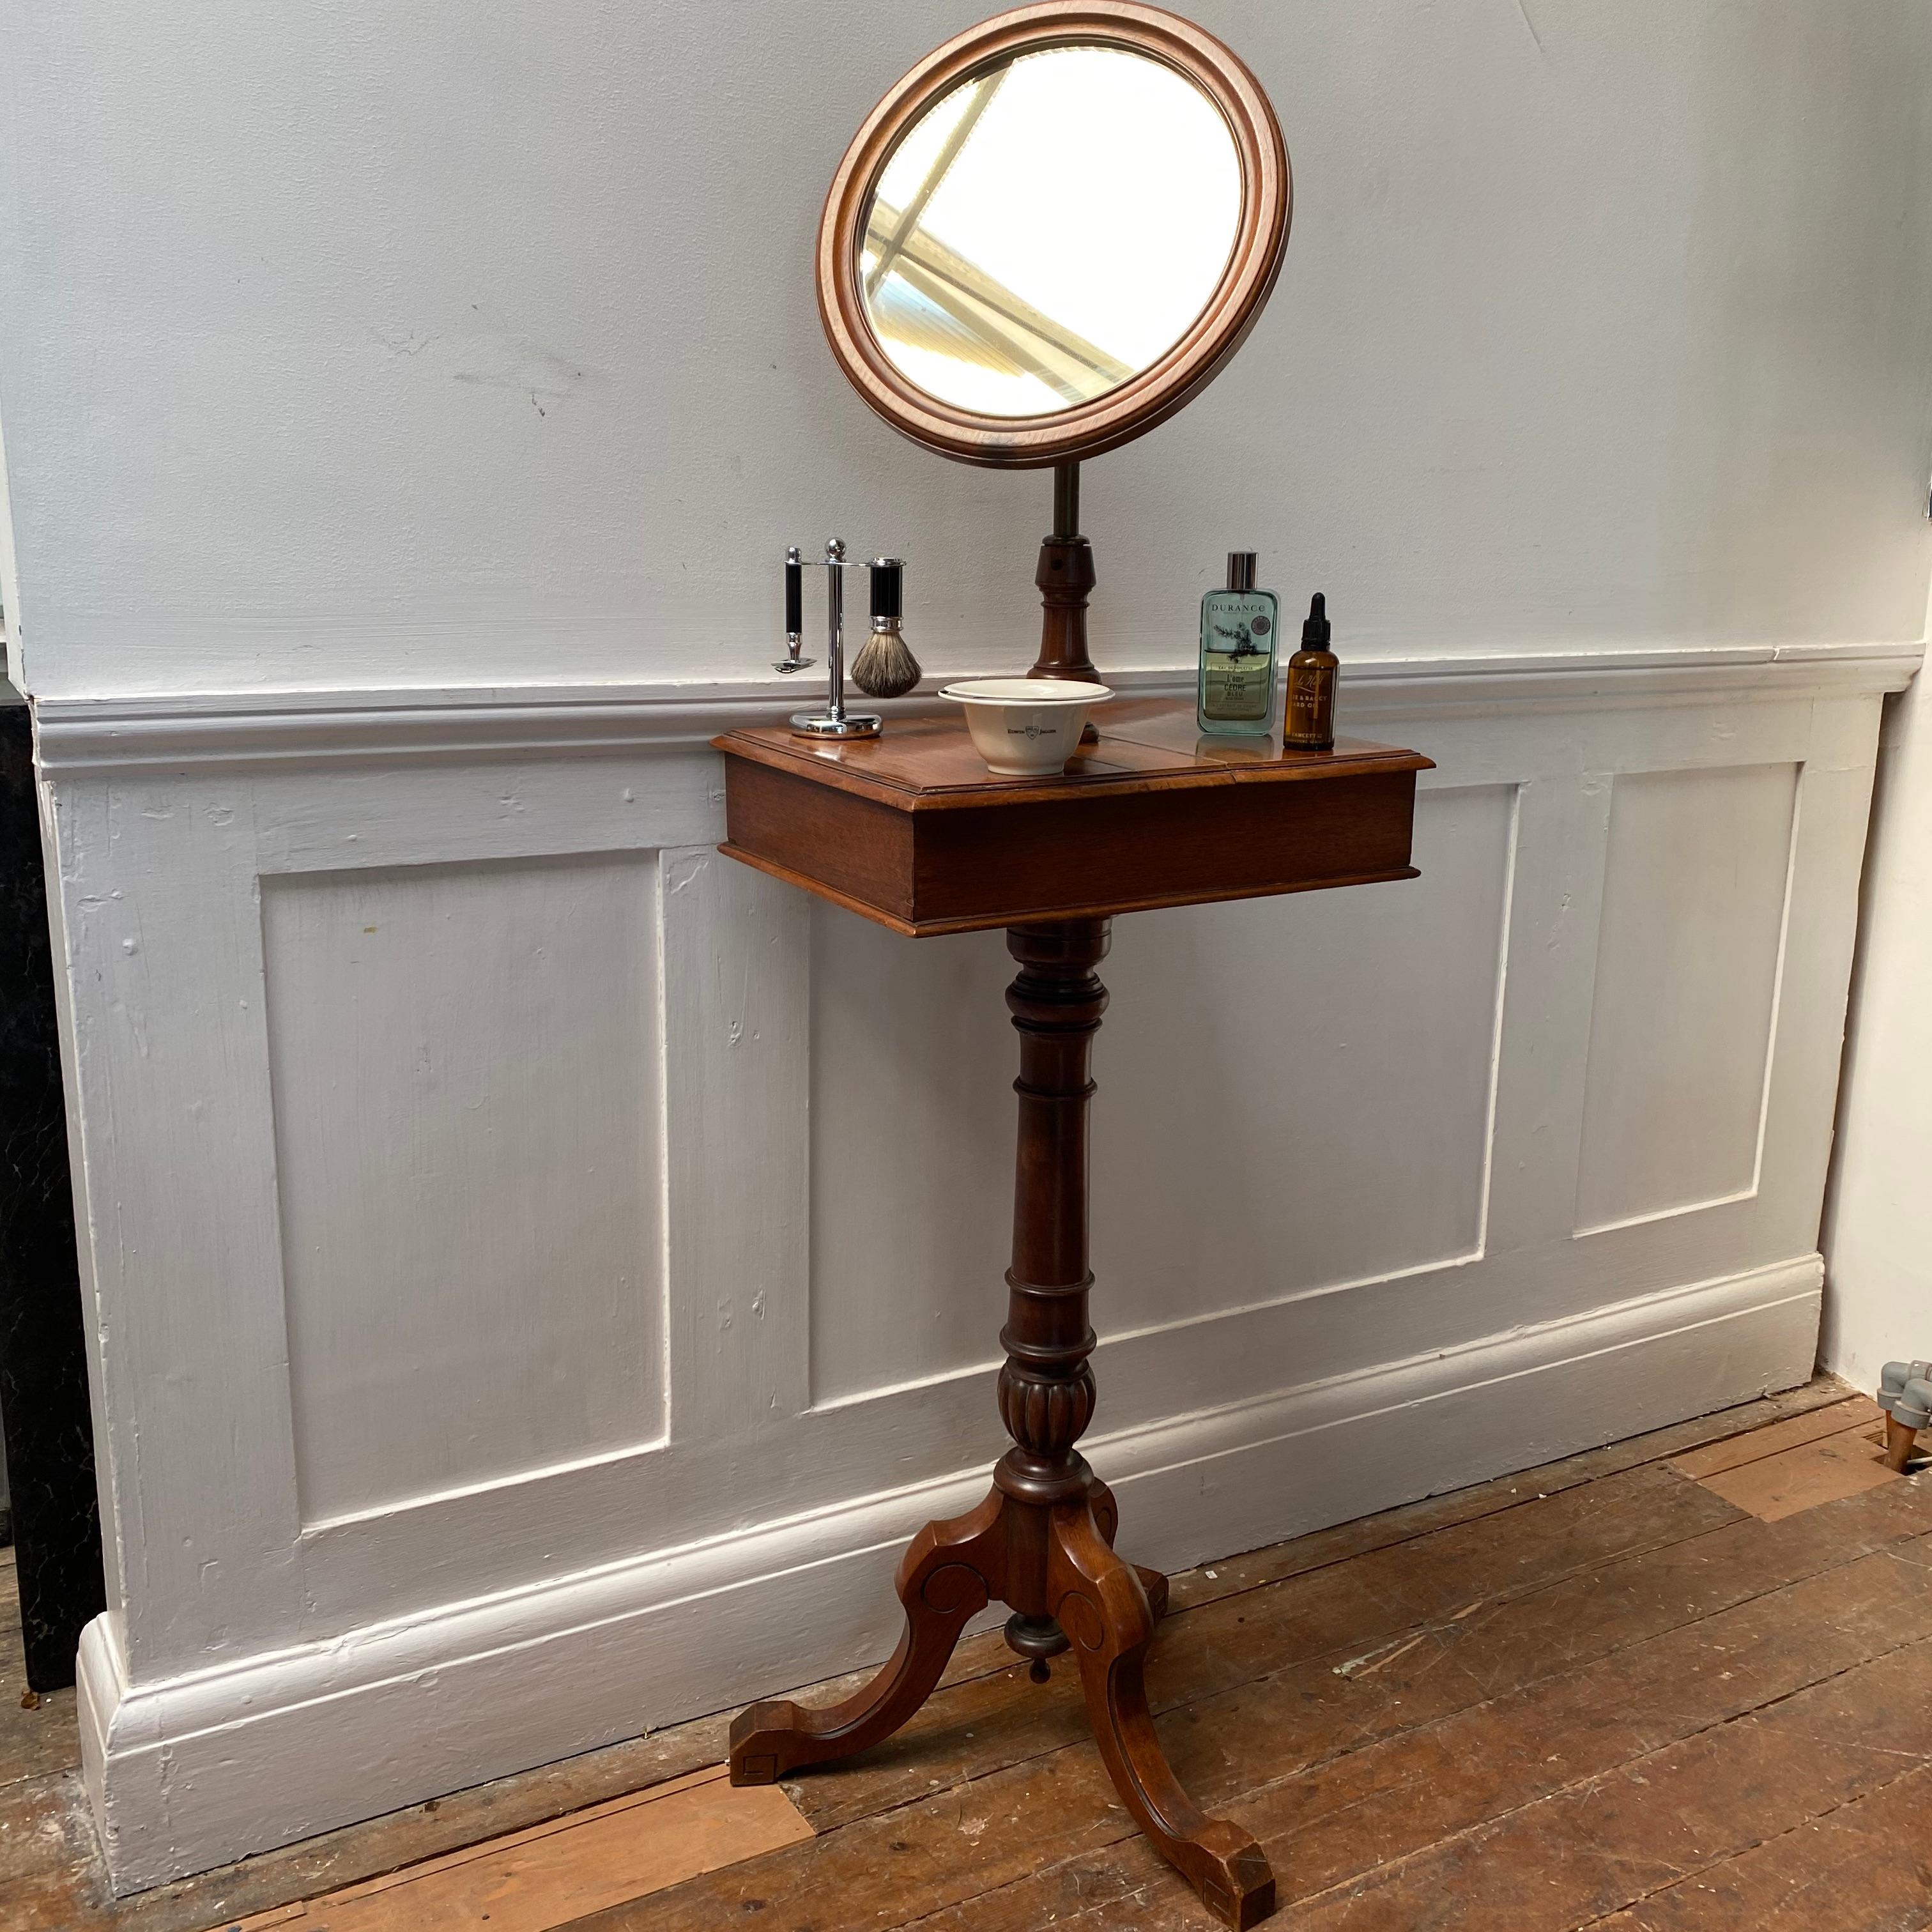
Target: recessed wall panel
1292,1092
913,1115
466,1097
1295,1093
1687,977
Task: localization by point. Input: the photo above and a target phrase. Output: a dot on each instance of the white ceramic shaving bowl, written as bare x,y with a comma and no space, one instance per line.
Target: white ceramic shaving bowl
1025,727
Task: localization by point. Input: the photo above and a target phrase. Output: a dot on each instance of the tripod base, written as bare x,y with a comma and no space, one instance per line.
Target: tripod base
1051,1561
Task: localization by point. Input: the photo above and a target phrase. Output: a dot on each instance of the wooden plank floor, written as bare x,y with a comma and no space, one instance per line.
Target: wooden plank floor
1684,1682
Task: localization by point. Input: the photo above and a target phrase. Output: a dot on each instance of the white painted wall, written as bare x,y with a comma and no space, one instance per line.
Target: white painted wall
425,342
475,1199
1878,1223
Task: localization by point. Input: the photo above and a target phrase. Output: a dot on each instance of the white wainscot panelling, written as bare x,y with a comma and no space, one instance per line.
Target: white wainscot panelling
912,1156
541,1271
465,1066
1295,1093
1688,956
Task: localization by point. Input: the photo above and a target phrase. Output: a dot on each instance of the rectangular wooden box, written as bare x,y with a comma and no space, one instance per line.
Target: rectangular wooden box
912,830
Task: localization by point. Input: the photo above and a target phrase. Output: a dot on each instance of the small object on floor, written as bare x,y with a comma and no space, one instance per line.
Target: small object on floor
1905,1394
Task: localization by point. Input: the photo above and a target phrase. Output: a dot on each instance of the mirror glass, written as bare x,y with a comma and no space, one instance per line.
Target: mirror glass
1047,229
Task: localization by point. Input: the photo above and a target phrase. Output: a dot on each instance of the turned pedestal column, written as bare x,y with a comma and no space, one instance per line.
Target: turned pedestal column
1041,1543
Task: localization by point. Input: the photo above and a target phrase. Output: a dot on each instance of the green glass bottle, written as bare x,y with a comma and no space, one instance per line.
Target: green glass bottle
1237,635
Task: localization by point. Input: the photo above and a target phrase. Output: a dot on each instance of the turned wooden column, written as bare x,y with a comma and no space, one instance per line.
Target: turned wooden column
1046,1389
1065,576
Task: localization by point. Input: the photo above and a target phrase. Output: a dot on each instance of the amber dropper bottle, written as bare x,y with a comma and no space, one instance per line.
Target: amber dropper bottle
1308,720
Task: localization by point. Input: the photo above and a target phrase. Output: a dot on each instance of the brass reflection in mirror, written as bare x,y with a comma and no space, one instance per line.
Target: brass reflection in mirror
1049,229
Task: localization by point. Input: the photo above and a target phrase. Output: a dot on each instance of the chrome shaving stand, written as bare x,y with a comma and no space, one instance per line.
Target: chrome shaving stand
835,722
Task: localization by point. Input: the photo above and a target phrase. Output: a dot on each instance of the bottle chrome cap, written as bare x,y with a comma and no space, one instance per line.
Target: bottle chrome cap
1241,569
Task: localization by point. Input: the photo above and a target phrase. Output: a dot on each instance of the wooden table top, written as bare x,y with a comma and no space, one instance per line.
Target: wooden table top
911,830
923,764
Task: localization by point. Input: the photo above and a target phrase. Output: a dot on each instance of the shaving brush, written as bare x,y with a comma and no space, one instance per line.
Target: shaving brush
884,667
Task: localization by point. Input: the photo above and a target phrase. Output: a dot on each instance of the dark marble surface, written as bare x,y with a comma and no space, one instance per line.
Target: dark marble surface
42,1351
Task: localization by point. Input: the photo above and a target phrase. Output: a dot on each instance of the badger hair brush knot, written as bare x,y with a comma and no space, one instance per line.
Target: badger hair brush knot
884,667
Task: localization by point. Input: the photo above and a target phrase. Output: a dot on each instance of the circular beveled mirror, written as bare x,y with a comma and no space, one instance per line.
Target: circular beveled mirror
1053,232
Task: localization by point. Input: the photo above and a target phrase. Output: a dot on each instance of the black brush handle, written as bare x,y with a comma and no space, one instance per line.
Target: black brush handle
794,597
888,578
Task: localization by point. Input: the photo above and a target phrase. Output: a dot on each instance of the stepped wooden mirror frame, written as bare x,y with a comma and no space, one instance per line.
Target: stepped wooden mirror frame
1128,395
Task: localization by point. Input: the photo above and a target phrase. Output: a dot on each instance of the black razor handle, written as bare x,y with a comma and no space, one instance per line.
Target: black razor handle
794,597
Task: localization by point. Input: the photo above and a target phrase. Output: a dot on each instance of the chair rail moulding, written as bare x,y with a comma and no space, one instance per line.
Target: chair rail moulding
422,1040
108,731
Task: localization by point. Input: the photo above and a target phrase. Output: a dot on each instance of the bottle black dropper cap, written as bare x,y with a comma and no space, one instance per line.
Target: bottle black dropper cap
1314,626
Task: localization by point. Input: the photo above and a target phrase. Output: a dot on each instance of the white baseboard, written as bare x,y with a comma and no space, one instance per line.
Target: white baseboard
191,1770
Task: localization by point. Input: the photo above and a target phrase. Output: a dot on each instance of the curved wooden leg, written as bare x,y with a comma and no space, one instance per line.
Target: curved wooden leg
1107,1515
1101,1605
949,1572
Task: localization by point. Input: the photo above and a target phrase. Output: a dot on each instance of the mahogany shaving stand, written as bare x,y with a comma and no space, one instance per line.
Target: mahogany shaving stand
912,831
